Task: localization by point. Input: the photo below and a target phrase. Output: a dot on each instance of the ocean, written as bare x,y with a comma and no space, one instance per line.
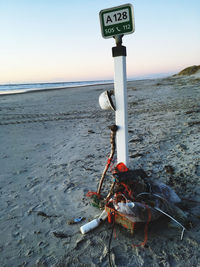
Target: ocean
28,87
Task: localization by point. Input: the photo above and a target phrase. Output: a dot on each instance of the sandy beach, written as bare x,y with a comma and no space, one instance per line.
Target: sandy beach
54,146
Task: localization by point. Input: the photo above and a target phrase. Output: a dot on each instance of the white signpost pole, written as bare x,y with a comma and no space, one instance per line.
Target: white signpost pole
121,114
115,22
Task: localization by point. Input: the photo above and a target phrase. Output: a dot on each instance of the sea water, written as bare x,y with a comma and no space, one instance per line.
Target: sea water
28,87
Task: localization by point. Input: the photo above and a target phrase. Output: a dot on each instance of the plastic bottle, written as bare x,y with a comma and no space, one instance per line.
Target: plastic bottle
103,216
89,226
93,224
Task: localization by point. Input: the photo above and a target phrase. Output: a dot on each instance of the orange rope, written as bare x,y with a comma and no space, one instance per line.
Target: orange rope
128,190
121,167
145,230
91,193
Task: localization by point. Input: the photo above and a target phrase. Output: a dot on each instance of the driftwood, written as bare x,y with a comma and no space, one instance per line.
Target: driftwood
111,191
113,129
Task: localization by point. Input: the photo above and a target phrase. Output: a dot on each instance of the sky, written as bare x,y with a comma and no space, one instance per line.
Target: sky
60,40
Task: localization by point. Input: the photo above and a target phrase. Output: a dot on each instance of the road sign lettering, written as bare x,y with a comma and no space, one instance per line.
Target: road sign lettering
116,17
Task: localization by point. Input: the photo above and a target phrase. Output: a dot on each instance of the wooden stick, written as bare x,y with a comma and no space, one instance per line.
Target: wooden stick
113,129
111,189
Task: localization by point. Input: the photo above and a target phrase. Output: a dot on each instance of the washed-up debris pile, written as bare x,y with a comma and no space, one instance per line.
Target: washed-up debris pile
134,197
141,199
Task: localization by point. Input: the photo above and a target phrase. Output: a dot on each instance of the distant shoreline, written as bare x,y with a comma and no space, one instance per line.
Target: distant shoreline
23,88
25,91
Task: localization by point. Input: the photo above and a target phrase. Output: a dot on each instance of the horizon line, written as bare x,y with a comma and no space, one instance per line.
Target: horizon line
130,77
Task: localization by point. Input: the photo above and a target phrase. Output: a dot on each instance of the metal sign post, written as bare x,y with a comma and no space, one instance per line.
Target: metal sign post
121,113
115,22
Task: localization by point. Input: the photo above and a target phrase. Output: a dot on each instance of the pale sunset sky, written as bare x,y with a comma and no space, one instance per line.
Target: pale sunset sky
60,40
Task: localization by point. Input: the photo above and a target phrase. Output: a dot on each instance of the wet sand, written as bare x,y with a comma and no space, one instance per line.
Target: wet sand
54,147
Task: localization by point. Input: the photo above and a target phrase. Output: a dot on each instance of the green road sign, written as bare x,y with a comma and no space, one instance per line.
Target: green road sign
117,21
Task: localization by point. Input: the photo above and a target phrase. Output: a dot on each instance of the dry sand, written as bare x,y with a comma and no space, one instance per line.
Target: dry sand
53,150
